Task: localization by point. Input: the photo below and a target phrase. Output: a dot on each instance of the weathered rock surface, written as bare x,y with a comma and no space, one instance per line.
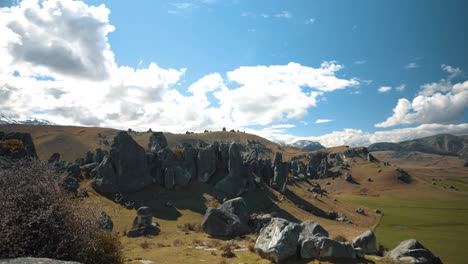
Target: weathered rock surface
319,246
280,177
367,242
126,168
229,220
157,142
311,229
206,162
278,240
413,251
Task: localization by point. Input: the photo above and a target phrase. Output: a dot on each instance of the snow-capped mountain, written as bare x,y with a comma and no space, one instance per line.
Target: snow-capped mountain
307,145
303,144
4,119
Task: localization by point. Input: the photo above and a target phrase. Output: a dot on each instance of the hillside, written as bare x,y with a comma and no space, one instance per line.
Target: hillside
73,142
443,144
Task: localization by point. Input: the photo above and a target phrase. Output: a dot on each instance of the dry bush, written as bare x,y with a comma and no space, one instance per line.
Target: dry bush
38,219
145,244
340,238
251,247
194,227
11,144
214,243
177,242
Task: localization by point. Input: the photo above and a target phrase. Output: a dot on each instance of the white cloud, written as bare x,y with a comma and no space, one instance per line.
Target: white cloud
309,21
360,62
284,14
400,87
384,89
440,102
411,65
356,137
249,14
320,121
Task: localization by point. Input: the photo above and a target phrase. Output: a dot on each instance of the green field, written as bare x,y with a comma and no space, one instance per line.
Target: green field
440,223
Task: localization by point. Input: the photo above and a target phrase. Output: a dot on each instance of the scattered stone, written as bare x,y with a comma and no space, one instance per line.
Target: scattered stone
228,254
377,211
359,210
413,251
143,223
105,222
348,177
333,215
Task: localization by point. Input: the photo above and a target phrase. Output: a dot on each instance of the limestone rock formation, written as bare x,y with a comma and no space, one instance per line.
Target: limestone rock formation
413,251
126,168
367,242
229,220
143,223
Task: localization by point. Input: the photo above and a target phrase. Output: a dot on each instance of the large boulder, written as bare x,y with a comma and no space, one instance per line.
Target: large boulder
311,229
17,146
99,155
229,220
278,240
189,155
367,242
319,246
54,158
413,251
126,168
206,162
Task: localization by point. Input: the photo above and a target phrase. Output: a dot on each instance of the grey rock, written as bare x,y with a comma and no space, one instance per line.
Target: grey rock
157,142
74,171
54,158
169,178
105,222
278,240
99,155
182,176
367,242
258,221
278,158
206,162
89,168
311,229
88,158
280,177
318,246
219,223
189,155
125,170
412,248
229,220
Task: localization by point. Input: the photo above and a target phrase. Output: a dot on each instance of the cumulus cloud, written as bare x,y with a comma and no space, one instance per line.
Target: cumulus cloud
320,121
440,102
400,87
266,92
384,89
58,38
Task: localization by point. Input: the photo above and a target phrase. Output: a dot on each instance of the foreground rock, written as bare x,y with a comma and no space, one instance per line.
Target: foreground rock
17,146
366,242
229,220
125,170
35,261
281,239
278,240
414,252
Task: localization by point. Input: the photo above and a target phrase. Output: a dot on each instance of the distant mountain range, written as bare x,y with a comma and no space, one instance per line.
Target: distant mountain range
443,144
29,121
306,145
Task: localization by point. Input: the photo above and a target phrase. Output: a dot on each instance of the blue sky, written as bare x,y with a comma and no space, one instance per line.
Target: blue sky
401,65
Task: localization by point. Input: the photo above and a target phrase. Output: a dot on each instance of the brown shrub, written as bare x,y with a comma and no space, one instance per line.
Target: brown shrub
340,238
11,144
38,219
177,242
177,151
186,227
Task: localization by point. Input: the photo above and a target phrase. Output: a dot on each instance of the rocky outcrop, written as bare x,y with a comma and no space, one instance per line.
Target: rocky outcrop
280,177
278,240
229,220
206,162
413,251
17,146
157,142
311,229
126,168
366,242
237,181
